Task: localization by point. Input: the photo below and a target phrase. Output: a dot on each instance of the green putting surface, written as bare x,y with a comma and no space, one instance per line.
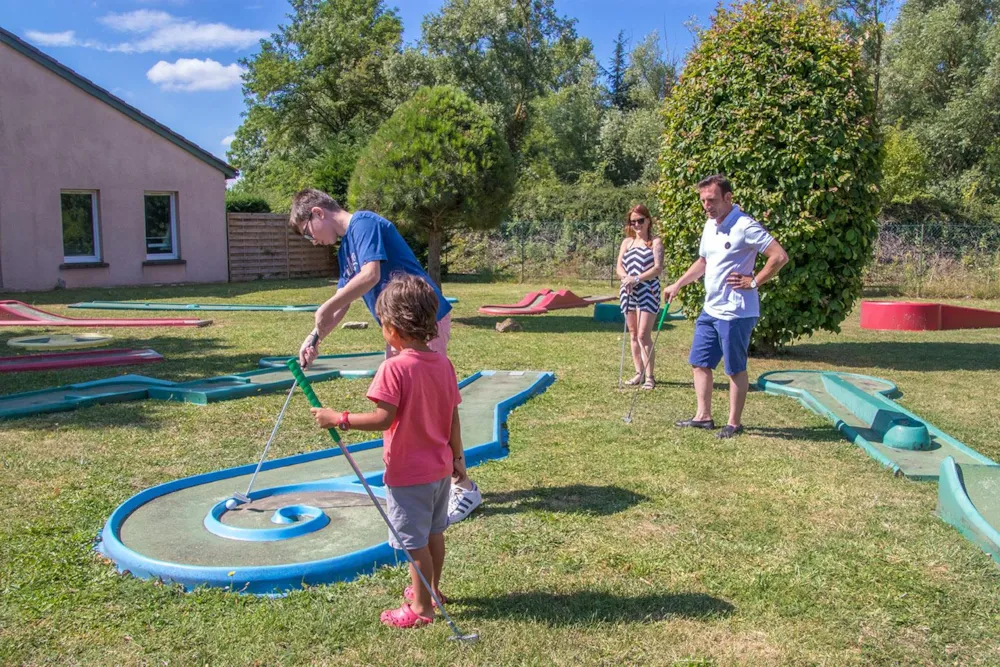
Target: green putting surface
983,486
203,391
170,528
860,409
969,500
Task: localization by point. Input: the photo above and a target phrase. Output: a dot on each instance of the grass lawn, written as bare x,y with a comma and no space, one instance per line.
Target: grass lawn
598,543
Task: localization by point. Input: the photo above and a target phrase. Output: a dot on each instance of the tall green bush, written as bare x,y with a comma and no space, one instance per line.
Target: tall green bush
244,203
437,163
776,98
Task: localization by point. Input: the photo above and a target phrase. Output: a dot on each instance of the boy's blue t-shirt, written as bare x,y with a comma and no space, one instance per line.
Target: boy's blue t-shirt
372,238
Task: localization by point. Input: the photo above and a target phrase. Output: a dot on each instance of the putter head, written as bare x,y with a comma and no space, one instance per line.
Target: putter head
470,638
241,497
627,419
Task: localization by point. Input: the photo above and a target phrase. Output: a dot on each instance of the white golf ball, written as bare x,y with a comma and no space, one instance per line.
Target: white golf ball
231,503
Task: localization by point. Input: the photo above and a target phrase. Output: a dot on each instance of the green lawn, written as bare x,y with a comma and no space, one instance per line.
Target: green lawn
598,543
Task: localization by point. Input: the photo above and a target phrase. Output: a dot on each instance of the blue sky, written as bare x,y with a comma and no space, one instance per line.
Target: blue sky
176,60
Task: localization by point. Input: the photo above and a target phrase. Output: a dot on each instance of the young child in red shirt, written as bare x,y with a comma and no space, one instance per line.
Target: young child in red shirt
416,396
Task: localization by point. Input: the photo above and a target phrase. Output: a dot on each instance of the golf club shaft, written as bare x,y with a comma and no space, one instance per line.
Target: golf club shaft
293,366
621,365
281,415
645,368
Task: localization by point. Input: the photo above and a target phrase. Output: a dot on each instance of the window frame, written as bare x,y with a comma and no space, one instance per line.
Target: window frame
175,252
95,227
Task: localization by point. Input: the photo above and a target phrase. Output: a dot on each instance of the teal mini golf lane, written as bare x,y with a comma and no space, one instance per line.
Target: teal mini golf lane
168,532
969,500
272,377
860,408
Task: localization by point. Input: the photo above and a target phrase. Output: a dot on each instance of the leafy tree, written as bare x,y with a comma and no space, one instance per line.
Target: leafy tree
629,145
865,21
241,203
563,140
437,163
775,97
906,170
504,54
314,94
650,75
941,85
618,84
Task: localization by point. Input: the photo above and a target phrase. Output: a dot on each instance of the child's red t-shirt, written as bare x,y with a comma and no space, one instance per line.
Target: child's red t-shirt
424,389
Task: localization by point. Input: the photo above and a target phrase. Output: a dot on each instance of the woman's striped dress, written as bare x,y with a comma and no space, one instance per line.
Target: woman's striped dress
645,296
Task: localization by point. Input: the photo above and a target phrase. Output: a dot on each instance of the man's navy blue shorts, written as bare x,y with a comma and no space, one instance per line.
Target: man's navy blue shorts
715,339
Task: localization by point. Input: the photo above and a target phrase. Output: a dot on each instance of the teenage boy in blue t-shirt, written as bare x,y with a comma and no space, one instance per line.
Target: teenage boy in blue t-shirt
371,251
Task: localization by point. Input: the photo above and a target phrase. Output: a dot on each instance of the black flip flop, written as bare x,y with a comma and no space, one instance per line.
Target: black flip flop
707,424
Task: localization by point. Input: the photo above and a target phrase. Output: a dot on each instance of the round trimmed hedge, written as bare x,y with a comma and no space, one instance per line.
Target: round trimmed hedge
776,97
438,162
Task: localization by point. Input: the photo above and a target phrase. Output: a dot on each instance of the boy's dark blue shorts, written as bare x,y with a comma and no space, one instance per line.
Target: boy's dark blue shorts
715,339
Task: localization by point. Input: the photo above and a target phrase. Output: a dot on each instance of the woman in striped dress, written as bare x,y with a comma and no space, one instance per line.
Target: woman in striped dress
640,262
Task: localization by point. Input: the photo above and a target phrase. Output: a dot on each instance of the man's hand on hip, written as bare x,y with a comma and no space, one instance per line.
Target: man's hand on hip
739,281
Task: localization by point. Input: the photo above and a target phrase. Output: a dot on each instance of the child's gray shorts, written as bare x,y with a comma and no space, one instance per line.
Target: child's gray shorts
417,512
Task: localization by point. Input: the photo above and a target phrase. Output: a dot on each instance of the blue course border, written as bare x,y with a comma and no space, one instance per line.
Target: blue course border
882,397
280,362
279,579
956,509
198,392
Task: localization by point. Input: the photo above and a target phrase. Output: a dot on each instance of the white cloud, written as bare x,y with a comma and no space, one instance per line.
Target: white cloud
157,31
67,38
141,20
227,142
193,36
190,75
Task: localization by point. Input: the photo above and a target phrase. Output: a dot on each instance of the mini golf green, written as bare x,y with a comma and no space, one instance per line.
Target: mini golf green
207,390
969,500
309,520
860,408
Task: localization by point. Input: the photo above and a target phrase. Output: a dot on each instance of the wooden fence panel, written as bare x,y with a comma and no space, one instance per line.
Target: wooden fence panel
262,246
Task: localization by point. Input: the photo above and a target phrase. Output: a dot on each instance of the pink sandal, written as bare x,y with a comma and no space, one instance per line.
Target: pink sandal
408,595
404,617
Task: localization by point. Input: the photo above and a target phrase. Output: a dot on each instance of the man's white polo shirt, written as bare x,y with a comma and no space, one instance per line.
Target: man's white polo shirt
729,246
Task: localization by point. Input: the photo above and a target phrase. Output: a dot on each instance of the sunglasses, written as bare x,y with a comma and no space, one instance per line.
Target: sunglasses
637,221
302,231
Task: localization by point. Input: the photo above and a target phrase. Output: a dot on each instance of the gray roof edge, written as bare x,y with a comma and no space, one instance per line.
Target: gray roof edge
88,86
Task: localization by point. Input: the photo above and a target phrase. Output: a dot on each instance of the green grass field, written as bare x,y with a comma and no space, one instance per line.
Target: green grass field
598,543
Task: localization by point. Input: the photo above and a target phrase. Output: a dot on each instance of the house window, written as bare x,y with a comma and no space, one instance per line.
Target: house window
161,225
81,238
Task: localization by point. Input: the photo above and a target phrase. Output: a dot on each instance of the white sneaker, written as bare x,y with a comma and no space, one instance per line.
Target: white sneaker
462,502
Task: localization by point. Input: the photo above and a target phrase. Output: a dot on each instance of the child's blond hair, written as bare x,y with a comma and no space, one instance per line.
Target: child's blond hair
409,305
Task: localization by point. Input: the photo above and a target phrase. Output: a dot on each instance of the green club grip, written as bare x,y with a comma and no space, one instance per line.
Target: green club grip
663,316
300,377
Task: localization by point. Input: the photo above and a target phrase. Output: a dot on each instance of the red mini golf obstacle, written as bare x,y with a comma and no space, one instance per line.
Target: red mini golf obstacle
542,301
18,314
913,316
77,359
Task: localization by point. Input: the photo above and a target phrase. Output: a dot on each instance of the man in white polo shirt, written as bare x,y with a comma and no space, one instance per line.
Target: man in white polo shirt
730,243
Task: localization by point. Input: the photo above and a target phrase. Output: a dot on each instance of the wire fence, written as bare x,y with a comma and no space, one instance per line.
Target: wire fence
916,259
